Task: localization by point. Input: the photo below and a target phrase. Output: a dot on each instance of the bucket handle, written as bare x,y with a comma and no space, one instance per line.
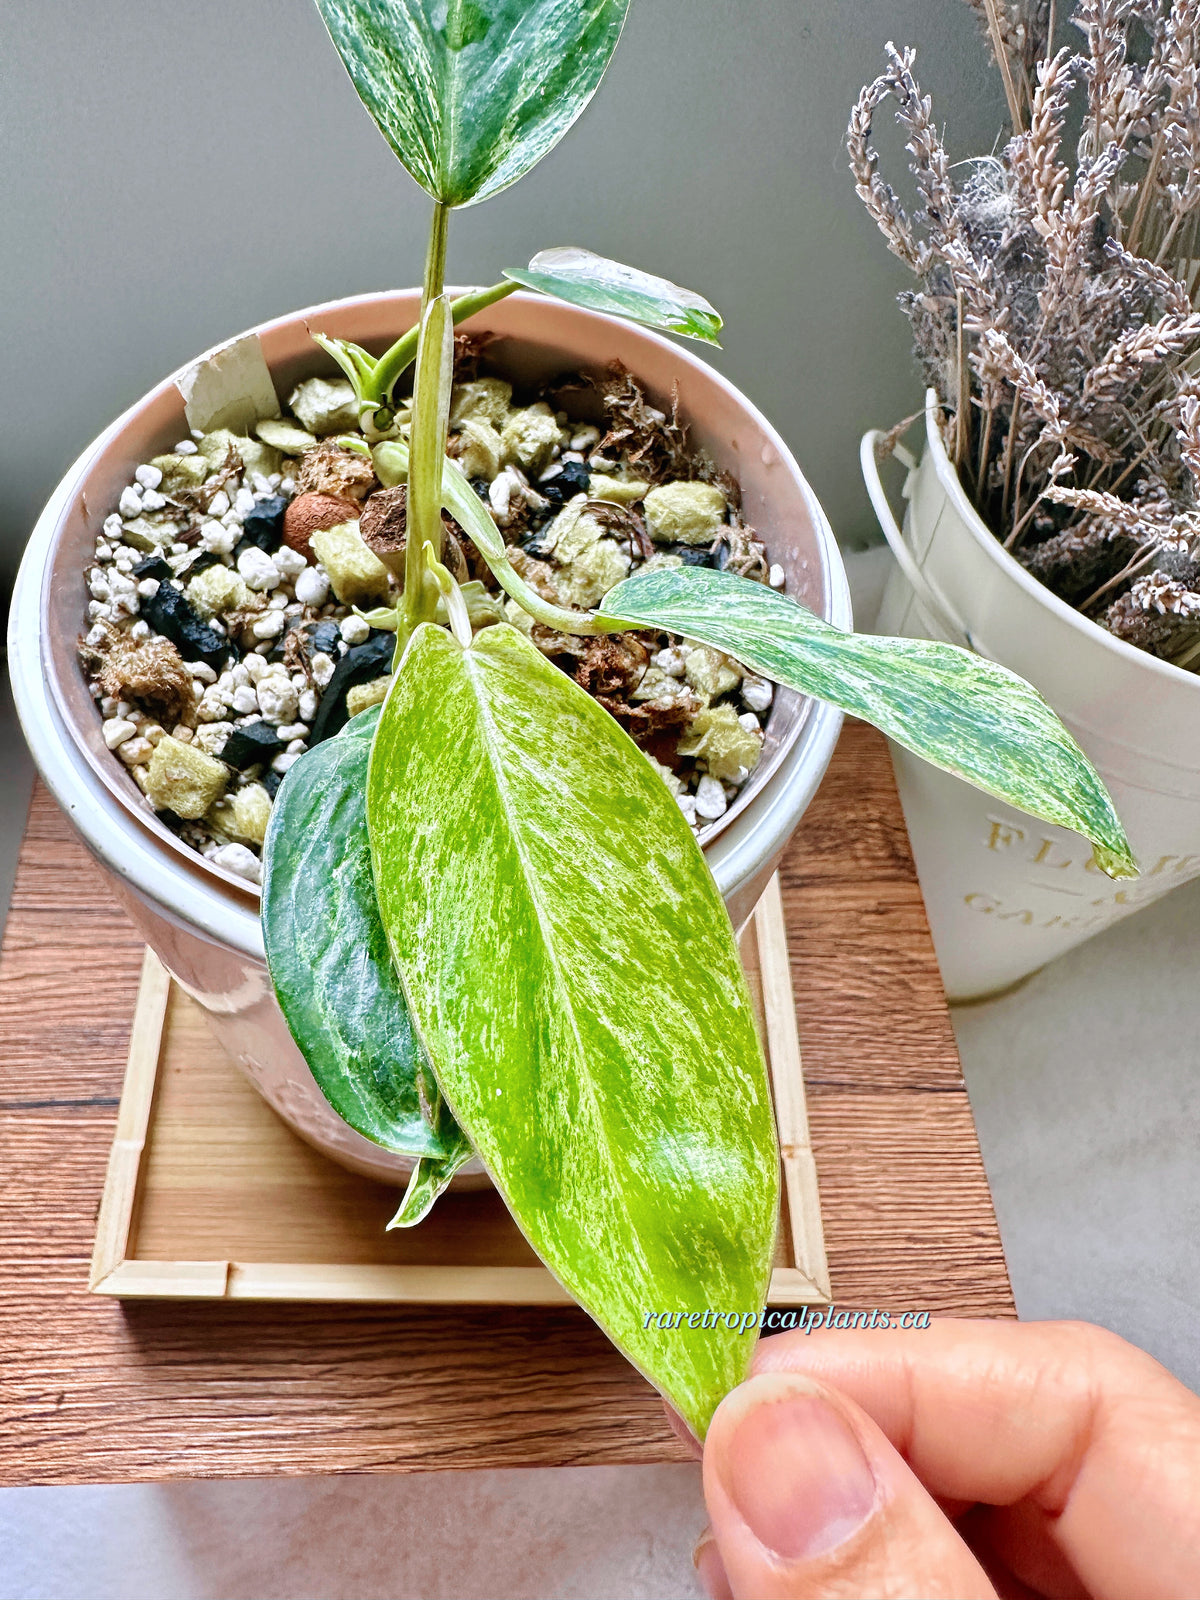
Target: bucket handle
939,614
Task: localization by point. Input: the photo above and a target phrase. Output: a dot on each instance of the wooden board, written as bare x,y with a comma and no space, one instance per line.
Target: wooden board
209,1196
94,1389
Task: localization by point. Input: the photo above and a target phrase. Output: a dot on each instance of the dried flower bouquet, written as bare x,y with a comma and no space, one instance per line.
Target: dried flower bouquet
1057,315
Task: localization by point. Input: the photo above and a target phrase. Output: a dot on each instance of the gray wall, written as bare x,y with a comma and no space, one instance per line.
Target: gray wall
174,172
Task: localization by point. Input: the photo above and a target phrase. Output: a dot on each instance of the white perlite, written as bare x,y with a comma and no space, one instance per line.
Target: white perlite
758,693
257,570
278,699
238,859
312,587
710,799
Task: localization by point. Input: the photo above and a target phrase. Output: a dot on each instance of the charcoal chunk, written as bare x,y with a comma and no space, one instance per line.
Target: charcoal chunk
264,525
359,665
169,613
271,781
152,567
251,743
572,480
533,546
199,562
692,556
326,637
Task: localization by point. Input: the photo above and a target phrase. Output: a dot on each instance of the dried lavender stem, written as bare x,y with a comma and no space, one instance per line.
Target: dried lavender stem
1019,521
1169,240
1013,419
1186,657
1147,189
1014,537
1002,61
962,418
1132,467
1142,558
984,452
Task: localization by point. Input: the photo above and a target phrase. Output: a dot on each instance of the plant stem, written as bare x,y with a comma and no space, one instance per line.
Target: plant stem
427,455
427,441
435,256
392,363
586,623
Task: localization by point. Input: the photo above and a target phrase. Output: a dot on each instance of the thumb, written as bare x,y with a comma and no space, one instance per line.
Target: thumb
808,1500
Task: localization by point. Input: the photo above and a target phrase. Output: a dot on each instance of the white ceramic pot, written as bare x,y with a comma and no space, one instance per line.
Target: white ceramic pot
203,924
1006,894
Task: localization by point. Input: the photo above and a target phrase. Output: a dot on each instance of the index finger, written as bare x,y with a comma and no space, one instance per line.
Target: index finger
1093,1434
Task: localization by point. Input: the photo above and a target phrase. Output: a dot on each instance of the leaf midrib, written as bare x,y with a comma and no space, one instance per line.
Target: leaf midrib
450,97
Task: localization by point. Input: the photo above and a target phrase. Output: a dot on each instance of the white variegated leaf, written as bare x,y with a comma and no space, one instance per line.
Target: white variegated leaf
573,974
959,711
584,279
472,93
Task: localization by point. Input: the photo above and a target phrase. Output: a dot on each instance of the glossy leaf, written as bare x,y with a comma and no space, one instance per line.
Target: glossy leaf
959,711
593,281
472,93
329,960
573,973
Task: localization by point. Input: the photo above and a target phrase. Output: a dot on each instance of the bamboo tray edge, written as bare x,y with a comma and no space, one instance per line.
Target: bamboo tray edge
146,1155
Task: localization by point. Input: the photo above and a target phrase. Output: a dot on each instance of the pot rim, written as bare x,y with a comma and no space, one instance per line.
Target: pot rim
947,475
785,728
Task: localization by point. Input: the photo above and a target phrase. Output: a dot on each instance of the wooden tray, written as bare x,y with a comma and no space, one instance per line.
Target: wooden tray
210,1196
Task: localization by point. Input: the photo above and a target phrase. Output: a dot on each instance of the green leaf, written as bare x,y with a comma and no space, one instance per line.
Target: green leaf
964,714
472,93
432,1174
593,281
355,362
573,973
329,960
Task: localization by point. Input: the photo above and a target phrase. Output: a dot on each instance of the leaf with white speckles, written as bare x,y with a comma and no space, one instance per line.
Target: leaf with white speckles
573,973
329,959
959,711
472,93
585,279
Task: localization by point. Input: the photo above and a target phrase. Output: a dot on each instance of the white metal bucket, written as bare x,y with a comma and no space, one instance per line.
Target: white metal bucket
1005,894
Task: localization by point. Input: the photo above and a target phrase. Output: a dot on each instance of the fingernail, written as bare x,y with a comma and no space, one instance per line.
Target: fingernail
798,1476
710,1569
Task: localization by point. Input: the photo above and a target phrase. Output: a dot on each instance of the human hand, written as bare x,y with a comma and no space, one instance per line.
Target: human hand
969,1460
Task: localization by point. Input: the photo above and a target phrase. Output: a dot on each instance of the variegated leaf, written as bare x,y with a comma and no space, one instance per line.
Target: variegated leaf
329,960
584,279
964,714
472,93
573,973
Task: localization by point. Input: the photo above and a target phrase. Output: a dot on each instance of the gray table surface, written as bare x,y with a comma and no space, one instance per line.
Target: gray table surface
1085,1088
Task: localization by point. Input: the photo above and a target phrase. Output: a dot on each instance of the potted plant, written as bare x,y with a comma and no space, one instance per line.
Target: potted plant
1052,522
487,916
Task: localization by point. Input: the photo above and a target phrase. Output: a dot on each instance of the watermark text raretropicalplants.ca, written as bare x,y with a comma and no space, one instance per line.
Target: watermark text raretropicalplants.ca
807,1319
